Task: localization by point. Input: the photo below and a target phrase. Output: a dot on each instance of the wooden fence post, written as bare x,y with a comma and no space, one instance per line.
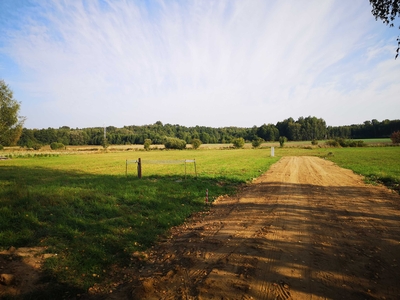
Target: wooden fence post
139,168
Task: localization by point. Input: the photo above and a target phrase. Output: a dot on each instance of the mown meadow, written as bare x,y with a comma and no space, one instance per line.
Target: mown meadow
376,164
84,208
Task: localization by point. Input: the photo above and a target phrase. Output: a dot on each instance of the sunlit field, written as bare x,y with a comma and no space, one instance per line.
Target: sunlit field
377,164
84,208
80,205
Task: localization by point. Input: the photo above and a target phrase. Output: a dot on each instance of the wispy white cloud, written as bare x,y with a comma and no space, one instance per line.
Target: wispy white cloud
214,63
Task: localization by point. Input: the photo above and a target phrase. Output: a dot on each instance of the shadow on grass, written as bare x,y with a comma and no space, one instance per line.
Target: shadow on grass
92,222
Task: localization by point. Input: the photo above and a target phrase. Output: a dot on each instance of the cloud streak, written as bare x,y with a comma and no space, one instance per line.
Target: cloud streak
216,63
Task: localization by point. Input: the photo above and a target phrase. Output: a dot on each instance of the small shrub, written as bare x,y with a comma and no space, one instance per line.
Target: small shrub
257,142
343,142
314,142
238,143
1,147
332,143
361,144
147,144
395,137
56,146
282,140
196,143
174,143
351,143
356,144
36,146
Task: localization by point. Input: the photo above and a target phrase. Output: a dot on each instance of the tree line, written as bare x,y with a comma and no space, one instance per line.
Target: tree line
302,129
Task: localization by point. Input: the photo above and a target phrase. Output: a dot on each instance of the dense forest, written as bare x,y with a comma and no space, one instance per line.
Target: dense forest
309,128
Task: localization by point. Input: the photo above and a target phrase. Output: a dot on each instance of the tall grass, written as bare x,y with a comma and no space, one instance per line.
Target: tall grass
84,209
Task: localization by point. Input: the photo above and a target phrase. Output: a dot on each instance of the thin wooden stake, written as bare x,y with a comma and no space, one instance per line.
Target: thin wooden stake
139,168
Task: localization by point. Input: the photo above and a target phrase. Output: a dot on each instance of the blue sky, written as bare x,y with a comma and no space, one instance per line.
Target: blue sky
211,63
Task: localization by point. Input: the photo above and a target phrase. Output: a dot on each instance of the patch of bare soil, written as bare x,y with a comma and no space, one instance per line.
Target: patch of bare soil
306,229
20,270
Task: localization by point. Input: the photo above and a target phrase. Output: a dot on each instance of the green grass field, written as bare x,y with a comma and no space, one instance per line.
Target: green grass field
86,210
377,164
83,208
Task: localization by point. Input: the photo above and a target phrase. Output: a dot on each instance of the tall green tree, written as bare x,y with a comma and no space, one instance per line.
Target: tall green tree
268,132
11,123
27,138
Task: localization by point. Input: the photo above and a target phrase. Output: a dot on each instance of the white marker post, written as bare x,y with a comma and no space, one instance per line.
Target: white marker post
272,151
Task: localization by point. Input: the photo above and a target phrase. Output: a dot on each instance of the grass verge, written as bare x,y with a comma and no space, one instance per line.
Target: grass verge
376,164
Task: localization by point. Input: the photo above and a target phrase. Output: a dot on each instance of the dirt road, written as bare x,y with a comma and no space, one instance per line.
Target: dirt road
306,229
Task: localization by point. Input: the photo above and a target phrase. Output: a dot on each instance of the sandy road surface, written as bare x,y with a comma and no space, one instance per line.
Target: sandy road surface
306,229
